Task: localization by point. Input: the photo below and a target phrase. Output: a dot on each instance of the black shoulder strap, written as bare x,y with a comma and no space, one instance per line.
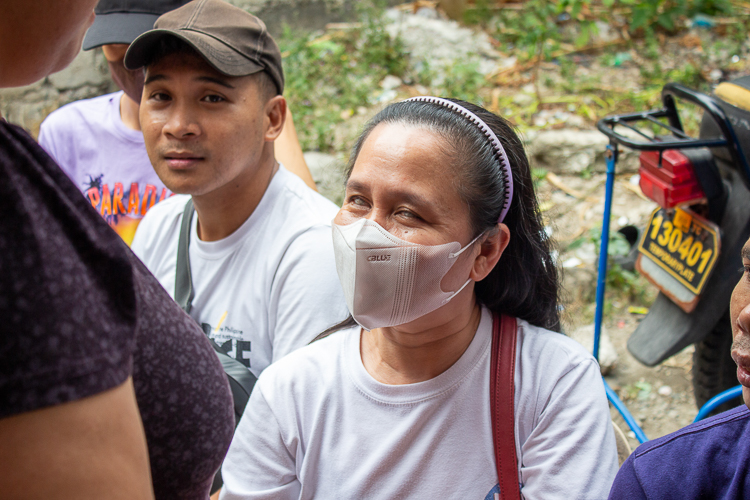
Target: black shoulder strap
183,282
241,380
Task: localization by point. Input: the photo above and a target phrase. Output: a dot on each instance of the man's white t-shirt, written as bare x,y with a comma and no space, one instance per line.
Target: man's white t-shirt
268,288
319,426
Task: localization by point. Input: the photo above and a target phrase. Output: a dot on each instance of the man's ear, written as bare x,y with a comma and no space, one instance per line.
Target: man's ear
490,251
275,116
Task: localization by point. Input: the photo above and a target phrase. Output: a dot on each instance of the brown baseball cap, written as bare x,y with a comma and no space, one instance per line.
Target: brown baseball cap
234,42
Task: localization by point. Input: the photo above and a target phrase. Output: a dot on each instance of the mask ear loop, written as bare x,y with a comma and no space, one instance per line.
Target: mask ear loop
454,255
487,131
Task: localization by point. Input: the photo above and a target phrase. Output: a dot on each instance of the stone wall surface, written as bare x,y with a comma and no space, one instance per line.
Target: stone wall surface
88,76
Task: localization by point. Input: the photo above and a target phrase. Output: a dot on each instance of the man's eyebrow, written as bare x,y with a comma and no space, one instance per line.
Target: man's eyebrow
746,252
217,81
154,78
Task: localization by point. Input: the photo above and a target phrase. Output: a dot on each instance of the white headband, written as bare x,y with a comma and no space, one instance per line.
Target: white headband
487,131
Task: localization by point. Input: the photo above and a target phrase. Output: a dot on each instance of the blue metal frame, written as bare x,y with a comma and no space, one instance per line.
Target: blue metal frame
601,286
717,401
620,406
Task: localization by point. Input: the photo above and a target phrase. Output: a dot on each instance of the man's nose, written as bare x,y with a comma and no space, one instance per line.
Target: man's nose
744,318
182,122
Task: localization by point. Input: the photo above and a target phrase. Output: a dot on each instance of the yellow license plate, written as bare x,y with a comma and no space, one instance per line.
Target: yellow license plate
682,243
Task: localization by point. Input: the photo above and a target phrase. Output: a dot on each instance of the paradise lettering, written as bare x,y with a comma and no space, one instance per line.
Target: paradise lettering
111,203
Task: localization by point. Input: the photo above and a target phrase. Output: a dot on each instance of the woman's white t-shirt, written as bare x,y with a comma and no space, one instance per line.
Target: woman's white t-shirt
319,426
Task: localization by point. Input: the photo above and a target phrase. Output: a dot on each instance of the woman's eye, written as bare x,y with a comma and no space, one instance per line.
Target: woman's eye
408,215
356,200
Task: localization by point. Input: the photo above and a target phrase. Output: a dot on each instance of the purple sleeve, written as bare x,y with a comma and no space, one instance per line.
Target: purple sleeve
626,485
67,300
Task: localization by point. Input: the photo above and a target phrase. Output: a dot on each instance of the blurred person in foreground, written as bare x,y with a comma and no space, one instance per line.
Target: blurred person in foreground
98,142
707,459
94,403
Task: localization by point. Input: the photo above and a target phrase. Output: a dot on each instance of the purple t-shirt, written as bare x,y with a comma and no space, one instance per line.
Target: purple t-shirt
105,159
80,314
709,459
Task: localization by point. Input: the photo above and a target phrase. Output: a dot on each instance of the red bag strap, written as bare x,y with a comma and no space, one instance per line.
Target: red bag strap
503,364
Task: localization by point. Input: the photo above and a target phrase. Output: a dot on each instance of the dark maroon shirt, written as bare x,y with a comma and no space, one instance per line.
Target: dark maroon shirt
79,314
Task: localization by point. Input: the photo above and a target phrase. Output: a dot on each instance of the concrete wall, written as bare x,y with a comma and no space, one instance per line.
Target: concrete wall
88,75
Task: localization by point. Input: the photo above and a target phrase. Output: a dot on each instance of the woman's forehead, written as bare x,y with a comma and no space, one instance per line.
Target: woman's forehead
407,162
403,148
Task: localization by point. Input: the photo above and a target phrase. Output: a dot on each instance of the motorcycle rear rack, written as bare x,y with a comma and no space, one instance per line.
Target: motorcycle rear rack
678,138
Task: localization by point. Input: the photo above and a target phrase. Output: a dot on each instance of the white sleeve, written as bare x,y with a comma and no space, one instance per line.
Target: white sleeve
571,452
139,243
306,296
146,239
259,464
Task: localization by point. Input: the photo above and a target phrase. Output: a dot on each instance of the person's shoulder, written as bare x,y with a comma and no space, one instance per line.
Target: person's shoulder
729,428
301,371
167,210
554,345
707,459
83,110
310,207
158,224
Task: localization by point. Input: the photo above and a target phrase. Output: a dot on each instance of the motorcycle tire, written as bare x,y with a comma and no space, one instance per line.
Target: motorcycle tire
714,369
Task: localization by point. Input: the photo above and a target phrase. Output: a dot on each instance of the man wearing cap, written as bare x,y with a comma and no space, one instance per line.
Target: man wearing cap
98,142
260,253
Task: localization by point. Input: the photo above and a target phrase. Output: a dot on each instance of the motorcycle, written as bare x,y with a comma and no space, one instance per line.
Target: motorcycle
690,248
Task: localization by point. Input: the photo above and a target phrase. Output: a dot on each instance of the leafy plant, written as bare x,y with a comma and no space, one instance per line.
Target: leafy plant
666,14
535,29
463,81
329,76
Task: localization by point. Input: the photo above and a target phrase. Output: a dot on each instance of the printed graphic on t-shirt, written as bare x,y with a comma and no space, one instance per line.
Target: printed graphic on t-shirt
229,340
494,493
123,209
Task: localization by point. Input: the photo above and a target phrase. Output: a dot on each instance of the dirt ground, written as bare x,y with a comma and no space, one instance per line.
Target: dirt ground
659,398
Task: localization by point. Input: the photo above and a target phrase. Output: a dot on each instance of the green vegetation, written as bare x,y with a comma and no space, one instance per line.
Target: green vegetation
328,77
620,283
335,75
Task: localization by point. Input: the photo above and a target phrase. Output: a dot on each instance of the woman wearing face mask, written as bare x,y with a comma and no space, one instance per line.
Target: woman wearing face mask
439,237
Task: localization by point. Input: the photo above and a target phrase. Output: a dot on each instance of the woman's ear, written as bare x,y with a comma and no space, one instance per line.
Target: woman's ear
275,110
491,249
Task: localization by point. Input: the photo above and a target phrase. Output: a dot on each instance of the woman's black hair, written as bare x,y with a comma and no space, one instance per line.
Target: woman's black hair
525,281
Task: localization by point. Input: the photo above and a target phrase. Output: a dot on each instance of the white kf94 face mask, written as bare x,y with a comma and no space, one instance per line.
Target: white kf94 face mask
388,281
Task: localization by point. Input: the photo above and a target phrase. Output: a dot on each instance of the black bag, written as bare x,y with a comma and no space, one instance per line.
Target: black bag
241,380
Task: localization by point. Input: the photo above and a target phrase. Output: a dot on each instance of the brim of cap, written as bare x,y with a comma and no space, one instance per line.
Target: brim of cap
118,27
222,57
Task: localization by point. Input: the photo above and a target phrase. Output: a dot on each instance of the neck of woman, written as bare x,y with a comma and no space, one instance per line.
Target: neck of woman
392,356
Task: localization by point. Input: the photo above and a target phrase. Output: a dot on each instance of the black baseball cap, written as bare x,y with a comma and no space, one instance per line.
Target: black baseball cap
233,41
122,21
